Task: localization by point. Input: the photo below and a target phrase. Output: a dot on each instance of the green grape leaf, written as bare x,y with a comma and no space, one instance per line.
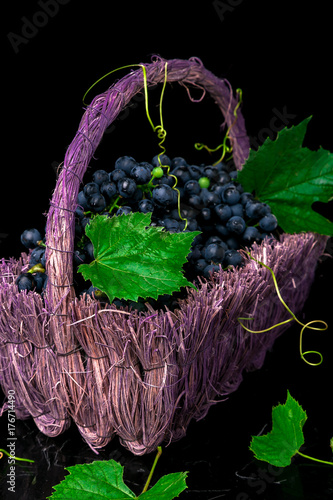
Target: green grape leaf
168,487
103,480
98,480
133,259
286,437
290,178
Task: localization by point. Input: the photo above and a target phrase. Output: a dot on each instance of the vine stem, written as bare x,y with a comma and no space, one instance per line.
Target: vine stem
315,459
158,454
2,451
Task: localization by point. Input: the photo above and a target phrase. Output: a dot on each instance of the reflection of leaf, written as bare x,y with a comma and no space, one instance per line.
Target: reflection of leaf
290,178
283,442
103,480
133,259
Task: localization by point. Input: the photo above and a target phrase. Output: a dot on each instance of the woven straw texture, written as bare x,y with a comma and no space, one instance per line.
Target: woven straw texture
142,376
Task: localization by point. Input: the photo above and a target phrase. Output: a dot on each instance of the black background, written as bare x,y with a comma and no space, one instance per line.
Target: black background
280,56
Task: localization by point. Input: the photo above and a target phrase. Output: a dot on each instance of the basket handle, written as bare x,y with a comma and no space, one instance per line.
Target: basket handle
102,111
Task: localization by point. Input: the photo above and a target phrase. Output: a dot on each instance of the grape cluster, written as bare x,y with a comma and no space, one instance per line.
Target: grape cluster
180,197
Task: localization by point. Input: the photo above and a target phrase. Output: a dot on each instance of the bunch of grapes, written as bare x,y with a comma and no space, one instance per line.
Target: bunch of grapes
180,197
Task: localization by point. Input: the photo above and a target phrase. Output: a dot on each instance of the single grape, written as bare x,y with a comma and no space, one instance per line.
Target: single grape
108,190
256,210
230,195
236,224
100,176
232,258
30,238
210,269
157,172
145,206
125,163
268,223
90,189
204,182
164,195
200,265
214,252
195,172
223,211
126,187
141,174
117,174
250,235
97,202
192,187
25,281
37,256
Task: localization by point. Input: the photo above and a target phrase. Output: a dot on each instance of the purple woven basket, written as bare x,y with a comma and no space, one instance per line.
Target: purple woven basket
142,376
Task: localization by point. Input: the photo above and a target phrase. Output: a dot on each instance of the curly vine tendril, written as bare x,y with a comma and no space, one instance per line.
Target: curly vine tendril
161,132
293,317
159,129
225,147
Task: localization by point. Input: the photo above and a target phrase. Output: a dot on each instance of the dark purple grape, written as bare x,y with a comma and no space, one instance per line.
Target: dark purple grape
164,195
125,163
30,238
236,224
126,187
90,189
145,206
25,282
100,176
97,202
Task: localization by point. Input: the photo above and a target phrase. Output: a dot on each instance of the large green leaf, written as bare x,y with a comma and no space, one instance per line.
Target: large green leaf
290,178
283,442
96,481
133,259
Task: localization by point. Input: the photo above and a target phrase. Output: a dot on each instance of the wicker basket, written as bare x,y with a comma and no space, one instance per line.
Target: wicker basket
142,376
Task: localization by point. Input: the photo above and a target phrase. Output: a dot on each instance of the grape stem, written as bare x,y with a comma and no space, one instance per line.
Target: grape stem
158,454
315,459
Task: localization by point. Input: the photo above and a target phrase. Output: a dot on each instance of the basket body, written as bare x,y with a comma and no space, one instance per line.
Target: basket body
143,376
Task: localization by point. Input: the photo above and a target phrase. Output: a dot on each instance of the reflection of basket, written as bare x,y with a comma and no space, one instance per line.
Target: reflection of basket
142,376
